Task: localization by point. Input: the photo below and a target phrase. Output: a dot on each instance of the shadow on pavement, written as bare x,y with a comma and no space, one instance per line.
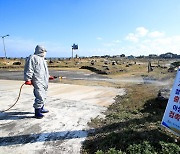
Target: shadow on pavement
15,115
42,137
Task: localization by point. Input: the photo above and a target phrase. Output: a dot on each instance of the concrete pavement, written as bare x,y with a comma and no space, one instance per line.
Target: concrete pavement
63,129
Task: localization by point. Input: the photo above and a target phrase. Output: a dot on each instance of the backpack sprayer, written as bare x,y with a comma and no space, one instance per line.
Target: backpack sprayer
60,77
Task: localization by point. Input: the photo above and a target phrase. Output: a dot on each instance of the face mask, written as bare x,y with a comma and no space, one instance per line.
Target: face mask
44,54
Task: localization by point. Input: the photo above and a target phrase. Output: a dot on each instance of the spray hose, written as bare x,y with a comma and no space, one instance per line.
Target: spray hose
20,95
16,99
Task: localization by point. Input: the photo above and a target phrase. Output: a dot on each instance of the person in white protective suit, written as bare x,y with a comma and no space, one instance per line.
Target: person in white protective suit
36,73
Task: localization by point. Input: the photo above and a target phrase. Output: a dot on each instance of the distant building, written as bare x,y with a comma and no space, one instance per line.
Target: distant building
106,56
153,56
95,56
119,56
140,57
130,57
169,55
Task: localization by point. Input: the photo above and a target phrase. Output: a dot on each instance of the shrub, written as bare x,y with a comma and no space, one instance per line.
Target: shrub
169,148
110,151
144,148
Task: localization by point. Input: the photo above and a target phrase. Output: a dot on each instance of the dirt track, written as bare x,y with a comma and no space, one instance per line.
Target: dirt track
63,129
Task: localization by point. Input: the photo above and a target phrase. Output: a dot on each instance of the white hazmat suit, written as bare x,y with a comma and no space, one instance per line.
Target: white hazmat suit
36,70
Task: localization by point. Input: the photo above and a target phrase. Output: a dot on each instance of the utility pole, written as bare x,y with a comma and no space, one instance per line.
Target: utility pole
4,44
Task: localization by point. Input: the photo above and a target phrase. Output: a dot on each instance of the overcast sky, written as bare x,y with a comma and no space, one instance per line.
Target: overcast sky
99,27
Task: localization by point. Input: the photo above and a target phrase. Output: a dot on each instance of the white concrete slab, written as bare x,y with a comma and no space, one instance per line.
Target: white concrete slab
63,129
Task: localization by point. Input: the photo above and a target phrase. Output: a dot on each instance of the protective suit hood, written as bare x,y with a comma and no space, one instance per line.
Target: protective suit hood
39,50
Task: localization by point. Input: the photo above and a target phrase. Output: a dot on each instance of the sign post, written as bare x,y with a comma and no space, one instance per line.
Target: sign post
74,47
171,118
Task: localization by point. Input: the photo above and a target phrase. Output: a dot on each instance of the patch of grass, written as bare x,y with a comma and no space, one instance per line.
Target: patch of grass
132,125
